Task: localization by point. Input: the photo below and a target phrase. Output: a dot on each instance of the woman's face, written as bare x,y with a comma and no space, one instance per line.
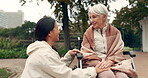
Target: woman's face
54,34
96,20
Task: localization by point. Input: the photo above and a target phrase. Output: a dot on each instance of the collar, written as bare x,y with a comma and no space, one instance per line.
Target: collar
104,28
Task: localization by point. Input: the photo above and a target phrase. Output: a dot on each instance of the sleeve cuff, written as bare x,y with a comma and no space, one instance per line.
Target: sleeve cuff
92,72
68,56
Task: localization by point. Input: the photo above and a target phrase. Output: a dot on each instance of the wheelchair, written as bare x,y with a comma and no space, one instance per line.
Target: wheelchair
79,56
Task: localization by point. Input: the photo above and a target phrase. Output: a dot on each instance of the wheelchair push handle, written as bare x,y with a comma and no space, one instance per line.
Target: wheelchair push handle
79,56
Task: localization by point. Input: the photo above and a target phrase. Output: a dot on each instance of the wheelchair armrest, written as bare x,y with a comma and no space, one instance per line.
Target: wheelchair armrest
130,53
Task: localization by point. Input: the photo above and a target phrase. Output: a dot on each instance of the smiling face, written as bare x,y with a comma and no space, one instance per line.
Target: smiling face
54,34
97,21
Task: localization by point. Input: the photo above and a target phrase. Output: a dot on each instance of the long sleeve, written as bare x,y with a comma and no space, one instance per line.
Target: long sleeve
67,59
49,65
58,69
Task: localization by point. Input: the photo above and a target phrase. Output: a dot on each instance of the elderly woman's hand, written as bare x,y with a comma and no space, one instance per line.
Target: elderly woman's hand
74,51
105,64
99,70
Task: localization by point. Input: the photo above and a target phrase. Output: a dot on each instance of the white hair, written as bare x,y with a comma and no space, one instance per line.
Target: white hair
99,9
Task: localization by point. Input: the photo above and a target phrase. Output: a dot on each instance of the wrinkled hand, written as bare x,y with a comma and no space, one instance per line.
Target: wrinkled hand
105,64
74,51
99,70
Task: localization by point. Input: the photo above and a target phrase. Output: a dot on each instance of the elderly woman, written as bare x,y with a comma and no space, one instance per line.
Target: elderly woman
102,43
44,61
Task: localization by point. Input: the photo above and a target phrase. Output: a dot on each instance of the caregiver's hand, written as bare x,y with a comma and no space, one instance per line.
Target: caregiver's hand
74,51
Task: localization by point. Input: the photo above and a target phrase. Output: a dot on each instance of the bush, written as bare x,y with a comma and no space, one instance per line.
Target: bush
12,48
14,53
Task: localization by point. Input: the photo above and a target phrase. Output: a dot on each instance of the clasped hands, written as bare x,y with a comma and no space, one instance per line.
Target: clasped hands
100,66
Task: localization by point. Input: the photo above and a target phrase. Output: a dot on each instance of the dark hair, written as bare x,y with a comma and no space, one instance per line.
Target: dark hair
43,27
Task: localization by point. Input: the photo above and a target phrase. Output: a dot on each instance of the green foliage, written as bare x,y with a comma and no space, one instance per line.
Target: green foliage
6,43
78,10
4,73
11,45
78,19
12,48
128,49
63,52
127,21
26,31
13,53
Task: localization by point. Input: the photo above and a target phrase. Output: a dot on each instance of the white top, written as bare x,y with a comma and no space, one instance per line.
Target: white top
100,42
44,62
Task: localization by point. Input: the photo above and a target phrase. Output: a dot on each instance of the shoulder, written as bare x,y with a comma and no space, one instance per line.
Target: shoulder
41,58
89,30
112,28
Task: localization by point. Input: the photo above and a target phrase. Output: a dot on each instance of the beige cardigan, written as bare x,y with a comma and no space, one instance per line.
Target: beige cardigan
115,46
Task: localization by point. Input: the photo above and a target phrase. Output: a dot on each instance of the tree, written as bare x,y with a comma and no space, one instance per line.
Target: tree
61,6
128,19
26,31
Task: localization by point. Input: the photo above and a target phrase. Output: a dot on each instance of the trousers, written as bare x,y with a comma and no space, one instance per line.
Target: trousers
111,74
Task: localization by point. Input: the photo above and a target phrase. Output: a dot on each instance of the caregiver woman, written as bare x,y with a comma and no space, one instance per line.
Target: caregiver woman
44,61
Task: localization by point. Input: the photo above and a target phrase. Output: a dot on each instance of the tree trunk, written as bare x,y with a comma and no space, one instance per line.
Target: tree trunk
65,26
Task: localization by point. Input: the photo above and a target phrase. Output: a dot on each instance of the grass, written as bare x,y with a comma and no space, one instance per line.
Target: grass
4,73
128,49
132,49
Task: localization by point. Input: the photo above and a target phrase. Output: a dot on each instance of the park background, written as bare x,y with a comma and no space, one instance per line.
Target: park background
72,15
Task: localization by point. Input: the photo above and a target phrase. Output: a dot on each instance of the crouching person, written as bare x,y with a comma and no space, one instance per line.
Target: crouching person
45,62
